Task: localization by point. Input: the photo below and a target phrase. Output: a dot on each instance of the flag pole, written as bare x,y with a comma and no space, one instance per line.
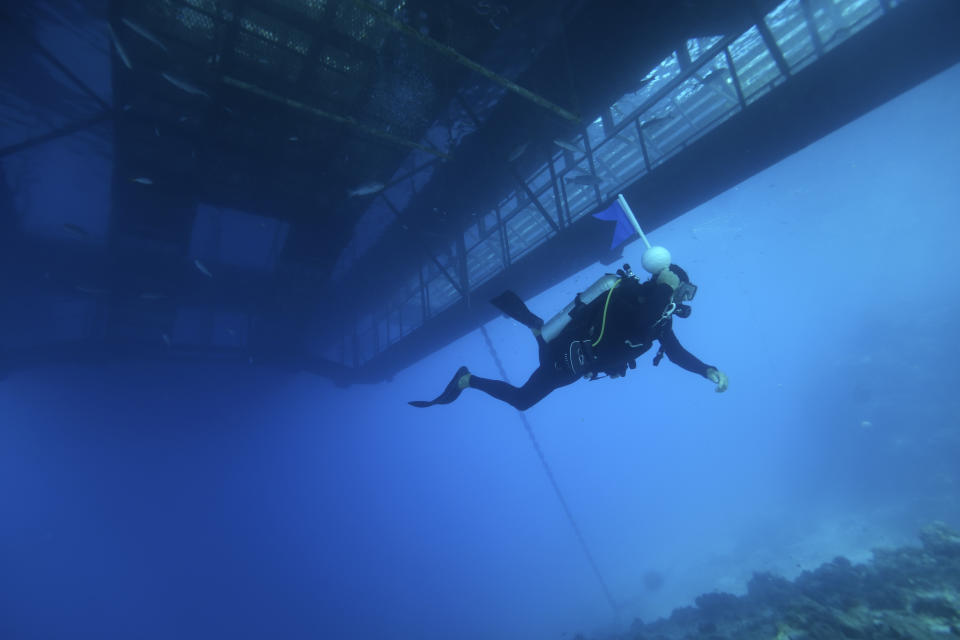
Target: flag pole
654,259
632,218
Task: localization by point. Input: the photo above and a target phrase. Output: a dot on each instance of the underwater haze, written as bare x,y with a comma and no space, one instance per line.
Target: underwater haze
216,502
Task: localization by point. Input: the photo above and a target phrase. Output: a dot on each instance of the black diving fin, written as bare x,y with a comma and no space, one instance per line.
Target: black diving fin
513,307
451,393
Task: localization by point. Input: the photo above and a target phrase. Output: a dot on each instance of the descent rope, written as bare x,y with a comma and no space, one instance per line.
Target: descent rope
553,480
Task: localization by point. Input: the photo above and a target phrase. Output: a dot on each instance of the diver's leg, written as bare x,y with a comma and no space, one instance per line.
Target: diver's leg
513,307
541,383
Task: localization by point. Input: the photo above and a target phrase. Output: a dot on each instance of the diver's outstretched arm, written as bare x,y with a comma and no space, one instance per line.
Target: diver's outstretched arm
680,356
686,360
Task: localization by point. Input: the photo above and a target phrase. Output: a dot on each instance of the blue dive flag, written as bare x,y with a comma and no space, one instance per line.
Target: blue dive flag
624,229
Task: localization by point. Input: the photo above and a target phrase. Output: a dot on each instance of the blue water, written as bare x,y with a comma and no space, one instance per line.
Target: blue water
160,502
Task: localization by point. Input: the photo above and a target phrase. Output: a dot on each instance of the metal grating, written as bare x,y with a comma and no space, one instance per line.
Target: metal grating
200,26
795,36
753,65
312,9
672,109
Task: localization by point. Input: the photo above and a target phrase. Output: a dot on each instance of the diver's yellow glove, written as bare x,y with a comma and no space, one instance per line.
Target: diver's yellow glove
669,278
718,377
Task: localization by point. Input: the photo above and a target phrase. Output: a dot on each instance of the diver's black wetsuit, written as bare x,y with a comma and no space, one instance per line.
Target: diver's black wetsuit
634,319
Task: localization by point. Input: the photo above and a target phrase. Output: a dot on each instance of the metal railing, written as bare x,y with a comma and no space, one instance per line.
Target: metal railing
687,95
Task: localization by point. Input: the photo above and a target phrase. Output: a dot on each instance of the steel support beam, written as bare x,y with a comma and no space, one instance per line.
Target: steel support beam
52,59
735,77
812,27
347,121
504,240
769,39
566,200
593,166
463,270
426,253
284,12
562,215
670,87
469,110
606,119
447,275
683,57
459,58
56,134
643,145
424,297
533,198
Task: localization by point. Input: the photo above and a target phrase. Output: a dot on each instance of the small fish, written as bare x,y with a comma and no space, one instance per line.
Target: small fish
586,179
80,231
718,81
232,332
141,180
627,141
96,291
156,131
644,82
119,47
518,151
166,339
608,169
152,296
127,107
569,146
183,85
714,77
143,33
366,189
202,268
186,86
293,138
655,121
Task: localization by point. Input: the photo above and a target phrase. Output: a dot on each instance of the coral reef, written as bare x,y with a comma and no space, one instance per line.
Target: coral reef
906,593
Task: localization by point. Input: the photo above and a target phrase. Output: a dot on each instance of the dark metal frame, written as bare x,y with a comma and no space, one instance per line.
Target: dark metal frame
556,182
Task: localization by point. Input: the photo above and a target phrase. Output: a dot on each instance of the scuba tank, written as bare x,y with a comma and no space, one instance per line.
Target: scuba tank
552,328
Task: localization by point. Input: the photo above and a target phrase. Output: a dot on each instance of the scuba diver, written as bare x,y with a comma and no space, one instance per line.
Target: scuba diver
602,332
